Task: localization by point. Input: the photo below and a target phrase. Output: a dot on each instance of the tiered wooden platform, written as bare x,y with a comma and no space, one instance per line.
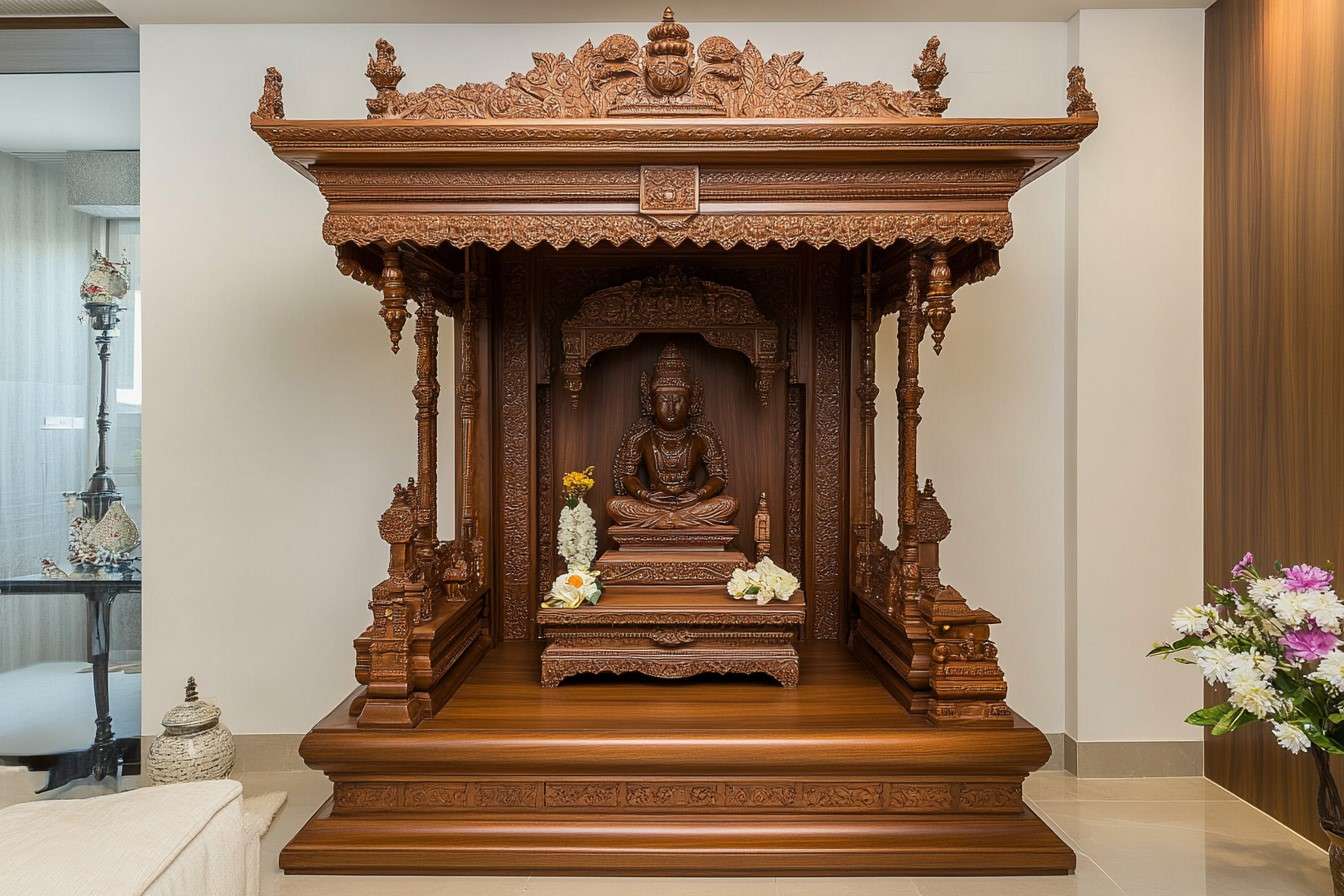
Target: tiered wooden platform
674,777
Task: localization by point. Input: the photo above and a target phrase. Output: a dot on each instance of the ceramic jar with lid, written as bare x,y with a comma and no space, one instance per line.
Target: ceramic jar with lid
194,745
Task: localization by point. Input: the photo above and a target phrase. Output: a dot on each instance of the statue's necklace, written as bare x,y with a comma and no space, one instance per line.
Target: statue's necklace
672,454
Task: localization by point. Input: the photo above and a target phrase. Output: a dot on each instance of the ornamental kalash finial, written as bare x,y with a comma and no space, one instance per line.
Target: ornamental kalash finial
667,57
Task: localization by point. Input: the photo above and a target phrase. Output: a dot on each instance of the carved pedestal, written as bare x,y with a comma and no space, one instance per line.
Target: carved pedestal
672,633
671,569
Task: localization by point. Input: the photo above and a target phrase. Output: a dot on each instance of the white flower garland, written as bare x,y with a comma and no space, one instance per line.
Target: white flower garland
576,536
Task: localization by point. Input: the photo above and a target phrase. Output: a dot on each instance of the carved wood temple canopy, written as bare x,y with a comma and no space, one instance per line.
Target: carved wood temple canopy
671,143
669,206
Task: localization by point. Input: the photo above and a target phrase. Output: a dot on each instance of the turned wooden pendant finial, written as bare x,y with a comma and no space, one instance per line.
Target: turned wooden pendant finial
939,309
393,311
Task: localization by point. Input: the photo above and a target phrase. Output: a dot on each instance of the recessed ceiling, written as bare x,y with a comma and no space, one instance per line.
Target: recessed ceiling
143,12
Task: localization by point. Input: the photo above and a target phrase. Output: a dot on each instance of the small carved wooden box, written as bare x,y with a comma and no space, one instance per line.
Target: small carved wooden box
673,632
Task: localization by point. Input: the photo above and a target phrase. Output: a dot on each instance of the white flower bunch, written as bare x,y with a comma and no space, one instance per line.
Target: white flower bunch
1275,643
571,589
576,536
763,583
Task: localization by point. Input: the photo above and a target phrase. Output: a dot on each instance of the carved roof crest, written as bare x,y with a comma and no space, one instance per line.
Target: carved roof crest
668,76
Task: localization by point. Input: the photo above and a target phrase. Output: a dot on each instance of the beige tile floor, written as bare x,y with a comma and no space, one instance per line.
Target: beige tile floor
1134,837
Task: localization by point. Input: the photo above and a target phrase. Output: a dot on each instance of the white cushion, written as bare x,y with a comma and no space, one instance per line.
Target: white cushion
156,841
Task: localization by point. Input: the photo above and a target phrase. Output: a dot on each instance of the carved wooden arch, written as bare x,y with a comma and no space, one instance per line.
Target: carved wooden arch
671,302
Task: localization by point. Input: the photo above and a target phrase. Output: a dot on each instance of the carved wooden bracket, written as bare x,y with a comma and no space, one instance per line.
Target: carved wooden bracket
671,302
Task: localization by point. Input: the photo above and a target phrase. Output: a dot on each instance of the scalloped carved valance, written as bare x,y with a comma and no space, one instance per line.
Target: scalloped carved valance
668,76
670,302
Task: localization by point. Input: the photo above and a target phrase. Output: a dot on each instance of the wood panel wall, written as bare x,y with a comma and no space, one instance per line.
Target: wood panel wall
1273,325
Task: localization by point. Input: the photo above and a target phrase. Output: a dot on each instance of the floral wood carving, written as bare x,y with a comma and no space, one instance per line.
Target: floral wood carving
667,76
271,105
875,797
728,230
1080,98
671,302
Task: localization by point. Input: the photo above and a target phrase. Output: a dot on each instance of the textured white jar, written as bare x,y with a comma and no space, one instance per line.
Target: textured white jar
194,745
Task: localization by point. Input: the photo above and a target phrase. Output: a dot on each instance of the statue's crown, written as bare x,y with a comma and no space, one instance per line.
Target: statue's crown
671,371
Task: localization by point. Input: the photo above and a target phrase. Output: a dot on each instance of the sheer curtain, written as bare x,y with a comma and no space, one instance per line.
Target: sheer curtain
44,387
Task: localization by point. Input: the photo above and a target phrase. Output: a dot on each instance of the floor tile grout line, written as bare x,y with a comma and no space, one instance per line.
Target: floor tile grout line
1157,825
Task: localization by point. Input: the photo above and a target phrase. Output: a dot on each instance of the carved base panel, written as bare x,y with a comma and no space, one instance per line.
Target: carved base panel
669,567
647,656
672,632
700,538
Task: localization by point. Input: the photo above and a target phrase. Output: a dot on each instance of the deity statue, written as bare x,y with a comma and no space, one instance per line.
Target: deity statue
671,441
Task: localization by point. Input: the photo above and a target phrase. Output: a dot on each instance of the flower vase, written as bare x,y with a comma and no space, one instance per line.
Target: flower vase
1331,814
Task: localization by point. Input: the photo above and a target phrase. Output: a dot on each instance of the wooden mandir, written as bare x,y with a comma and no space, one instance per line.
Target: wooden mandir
669,207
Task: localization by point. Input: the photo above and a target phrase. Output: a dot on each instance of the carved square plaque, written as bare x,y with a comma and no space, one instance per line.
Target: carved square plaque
669,191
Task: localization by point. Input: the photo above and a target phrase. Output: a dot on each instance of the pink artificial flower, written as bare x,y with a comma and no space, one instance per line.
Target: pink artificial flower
1246,563
1308,578
1308,644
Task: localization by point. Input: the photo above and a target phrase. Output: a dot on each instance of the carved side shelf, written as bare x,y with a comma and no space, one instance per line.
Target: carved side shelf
672,632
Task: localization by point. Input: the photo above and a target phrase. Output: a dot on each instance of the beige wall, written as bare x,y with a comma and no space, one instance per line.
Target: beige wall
276,419
1135,418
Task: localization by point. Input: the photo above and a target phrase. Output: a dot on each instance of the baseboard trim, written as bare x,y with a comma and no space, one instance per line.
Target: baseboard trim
259,752
1131,759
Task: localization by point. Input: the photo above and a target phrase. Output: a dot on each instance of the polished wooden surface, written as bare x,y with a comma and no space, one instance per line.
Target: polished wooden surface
1274,325
504,205
695,776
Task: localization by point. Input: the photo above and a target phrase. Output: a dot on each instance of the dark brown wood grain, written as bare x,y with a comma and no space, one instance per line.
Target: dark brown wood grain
1274,327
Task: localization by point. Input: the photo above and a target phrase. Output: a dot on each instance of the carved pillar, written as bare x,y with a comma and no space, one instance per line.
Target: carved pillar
865,526
426,393
909,333
468,393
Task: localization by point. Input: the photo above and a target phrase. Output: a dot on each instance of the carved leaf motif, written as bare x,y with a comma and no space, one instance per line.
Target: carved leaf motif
621,78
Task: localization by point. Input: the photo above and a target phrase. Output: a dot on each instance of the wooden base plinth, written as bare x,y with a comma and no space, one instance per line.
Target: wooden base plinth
680,845
675,777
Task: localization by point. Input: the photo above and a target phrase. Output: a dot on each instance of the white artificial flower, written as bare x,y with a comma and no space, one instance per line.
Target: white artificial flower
779,582
1192,620
1291,737
576,535
1216,663
1331,670
1263,591
1290,607
1324,608
1256,697
572,588
741,581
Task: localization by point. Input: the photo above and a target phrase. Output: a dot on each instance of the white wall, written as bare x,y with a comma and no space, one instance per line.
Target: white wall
1135,475
276,420
992,435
